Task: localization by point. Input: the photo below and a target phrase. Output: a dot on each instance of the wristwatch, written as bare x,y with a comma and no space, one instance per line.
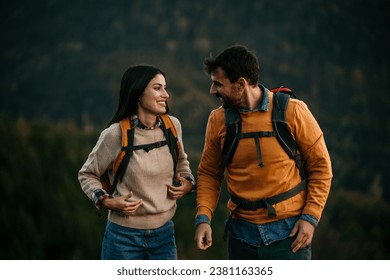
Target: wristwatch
193,183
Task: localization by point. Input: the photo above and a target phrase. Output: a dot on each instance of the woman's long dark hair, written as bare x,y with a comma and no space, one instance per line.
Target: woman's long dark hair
133,84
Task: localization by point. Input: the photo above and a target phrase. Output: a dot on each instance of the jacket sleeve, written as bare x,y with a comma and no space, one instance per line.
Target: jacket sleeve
183,165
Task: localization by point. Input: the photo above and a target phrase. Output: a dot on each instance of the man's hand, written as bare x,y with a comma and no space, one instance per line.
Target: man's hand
304,237
203,237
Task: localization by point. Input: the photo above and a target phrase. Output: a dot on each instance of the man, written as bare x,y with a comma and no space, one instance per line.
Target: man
260,170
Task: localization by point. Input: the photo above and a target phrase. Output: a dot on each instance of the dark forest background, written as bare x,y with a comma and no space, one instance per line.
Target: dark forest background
61,63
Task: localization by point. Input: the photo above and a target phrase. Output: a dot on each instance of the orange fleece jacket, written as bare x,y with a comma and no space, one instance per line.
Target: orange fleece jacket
245,179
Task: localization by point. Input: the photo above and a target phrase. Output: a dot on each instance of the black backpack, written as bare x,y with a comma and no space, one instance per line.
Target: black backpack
281,131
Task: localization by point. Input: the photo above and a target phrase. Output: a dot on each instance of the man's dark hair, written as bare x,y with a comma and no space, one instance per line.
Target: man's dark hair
237,61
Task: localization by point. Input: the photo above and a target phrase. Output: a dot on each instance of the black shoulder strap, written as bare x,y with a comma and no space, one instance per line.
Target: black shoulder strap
172,142
283,133
233,128
280,125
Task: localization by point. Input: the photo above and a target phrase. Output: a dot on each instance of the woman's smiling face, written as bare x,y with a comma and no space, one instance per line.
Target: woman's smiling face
154,98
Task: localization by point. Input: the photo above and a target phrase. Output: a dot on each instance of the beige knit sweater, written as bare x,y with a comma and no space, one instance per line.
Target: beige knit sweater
146,176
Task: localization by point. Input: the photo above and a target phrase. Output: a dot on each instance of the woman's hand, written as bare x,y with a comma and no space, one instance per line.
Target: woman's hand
122,204
179,191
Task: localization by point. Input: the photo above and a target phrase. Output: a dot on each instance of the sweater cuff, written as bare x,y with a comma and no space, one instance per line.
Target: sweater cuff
98,196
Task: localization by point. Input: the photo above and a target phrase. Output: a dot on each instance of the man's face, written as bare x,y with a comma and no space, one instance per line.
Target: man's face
227,92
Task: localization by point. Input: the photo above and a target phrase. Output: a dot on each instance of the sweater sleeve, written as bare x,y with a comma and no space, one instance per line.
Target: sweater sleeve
211,170
183,165
311,143
99,160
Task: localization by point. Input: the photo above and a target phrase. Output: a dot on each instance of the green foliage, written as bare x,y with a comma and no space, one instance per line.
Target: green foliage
354,227
45,213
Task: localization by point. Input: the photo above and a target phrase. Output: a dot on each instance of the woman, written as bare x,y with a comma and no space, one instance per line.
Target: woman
139,224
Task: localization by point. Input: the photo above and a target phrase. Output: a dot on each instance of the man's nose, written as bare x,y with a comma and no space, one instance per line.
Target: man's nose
213,91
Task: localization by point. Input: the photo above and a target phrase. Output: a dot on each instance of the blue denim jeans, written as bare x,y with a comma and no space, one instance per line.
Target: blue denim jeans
123,243
278,250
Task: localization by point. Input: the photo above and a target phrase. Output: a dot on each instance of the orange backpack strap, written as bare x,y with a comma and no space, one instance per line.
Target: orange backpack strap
169,126
125,125
120,164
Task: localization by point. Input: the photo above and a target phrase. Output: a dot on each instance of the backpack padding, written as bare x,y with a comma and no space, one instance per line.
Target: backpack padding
283,133
173,144
125,128
119,163
169,126
233,128
123,158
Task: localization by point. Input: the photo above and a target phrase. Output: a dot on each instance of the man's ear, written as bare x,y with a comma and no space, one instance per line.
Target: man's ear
241,82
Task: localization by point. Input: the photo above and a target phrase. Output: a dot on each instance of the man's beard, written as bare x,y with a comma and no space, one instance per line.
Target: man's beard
226,102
